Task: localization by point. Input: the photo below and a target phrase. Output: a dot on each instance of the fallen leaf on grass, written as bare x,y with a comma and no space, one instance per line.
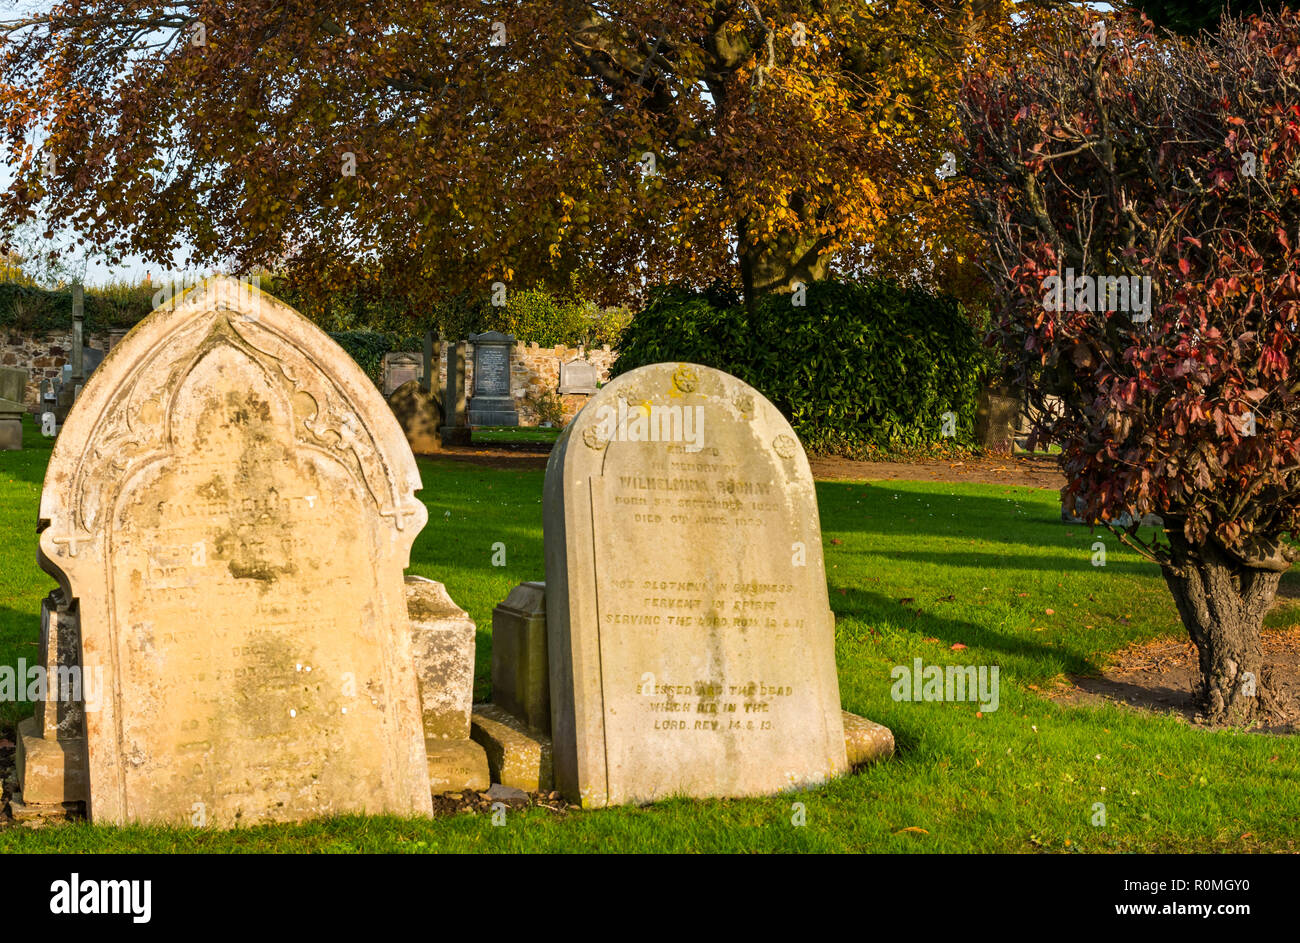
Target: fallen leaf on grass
912,828
957,646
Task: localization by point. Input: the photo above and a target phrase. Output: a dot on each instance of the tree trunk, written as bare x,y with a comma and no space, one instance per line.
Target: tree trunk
776,264
1222,602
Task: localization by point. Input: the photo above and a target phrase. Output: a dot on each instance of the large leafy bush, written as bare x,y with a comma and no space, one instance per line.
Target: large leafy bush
860,368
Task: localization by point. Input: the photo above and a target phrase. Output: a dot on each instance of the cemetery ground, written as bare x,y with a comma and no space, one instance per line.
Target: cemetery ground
952,572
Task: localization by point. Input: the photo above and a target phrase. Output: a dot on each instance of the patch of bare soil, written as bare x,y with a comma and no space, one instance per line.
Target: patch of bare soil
1159,676
1037,471
504,455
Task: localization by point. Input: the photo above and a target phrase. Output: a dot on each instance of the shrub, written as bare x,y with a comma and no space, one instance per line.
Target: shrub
860,367
368,348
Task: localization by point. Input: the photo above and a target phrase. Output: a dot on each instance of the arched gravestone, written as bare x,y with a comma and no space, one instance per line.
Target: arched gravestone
691,643
231,506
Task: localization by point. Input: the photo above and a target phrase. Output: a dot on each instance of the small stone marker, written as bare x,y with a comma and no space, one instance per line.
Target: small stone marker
577,376
492,403
520,675
690,633
231,506
995,421
49,426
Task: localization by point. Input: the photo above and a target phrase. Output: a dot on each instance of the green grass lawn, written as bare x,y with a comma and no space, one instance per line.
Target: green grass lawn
489,435
913,569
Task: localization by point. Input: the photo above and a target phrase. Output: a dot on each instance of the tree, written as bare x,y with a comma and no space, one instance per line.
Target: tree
1193,16
447,145
1175,165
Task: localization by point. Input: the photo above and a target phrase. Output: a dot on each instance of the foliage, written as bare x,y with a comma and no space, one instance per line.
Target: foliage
33,310
368,348
549,408
413,145
1192,16
538,316
1178,161
859,367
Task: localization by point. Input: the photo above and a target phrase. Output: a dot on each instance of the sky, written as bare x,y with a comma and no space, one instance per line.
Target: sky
97,271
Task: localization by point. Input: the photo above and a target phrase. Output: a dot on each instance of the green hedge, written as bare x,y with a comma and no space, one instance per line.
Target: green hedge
859,369
35,310
368,348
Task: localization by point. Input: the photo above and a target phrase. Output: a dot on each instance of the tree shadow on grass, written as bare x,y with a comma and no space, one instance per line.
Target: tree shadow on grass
870,607
1020,562
848,507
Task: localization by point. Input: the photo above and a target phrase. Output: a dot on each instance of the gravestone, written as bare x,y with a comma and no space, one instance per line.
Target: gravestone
577,376
491,403
690,636
455,429
13,384
228,511
13,391
417,414
401,367
995,421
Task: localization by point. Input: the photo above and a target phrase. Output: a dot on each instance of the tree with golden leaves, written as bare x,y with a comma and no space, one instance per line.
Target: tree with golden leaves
443,146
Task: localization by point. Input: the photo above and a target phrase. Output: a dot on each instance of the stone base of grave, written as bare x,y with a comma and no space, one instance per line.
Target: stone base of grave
442,645
865,740
457,766
51,773
493,411
454,435
38,813
517,756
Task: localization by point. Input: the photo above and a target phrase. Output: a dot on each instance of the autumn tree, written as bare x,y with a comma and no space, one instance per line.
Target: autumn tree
1140,194
446,145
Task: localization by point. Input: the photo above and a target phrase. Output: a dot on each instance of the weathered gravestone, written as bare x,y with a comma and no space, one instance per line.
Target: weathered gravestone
13,391
577,376
417,414
228,511
401,367
690,633
491,403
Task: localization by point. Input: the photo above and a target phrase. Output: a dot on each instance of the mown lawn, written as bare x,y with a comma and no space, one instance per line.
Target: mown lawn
914,568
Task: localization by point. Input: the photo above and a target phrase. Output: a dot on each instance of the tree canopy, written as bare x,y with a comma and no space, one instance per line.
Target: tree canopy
446,145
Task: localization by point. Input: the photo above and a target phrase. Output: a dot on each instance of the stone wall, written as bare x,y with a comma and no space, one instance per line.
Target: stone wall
535,370
42,356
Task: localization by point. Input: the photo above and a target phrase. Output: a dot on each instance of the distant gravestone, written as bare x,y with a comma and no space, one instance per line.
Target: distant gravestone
577,376
401,367
691,643
231,506
491,403
49,426
13,384
417,414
